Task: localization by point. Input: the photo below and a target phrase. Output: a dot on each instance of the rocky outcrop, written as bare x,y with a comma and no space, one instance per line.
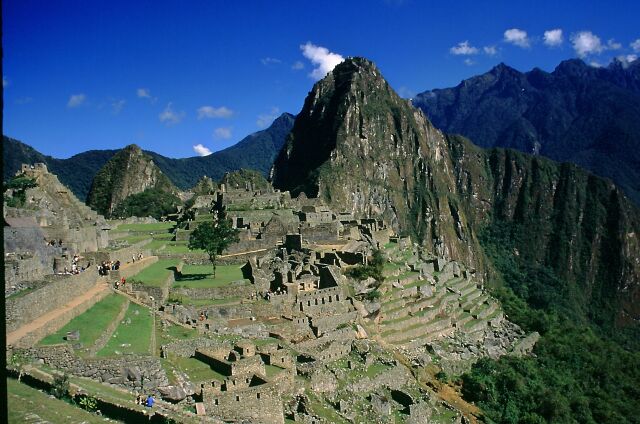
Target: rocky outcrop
363,149
128,172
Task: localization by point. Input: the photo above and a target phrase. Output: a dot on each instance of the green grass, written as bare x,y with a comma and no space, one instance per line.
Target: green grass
178,247
26,404
173,333
195,369
158,226
155,245
91,323
375,369
272,370
21,293
135,336
156,274
201,276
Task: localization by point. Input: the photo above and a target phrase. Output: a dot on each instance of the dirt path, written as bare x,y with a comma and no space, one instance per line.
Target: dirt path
42,320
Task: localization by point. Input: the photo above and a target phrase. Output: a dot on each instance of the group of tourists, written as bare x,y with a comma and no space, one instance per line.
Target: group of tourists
119,284
139,257
76,268
106,266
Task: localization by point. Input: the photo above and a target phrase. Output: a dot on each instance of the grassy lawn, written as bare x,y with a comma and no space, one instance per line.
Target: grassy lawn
201,276
158,226
156,274
375,369
272,370
26,404
135,336
91,323
195,369
172,333
179,247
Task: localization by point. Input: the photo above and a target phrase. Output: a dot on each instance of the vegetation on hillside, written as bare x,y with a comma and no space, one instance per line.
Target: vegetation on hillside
581,372
17,188
373,269
151,202
238,179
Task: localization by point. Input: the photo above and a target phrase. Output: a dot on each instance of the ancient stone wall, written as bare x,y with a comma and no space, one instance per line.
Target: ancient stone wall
328,323
255,404
235,289
23,309
131,371
187,348
321,233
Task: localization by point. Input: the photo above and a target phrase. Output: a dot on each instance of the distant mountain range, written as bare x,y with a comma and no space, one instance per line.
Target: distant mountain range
256,151
577,113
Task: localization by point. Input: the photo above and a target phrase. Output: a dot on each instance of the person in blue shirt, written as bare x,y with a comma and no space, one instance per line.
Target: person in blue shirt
150,401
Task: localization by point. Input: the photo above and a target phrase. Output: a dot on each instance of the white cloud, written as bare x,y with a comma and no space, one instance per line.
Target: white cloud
117,105
626,60
214,112
5,81
270,61
145,93
517,36
553,37
613,45
76,100
595,64
265,119
463,48
170,117
635,45
490,50
322,58
469,62
201,150
222,133
586,43
297,66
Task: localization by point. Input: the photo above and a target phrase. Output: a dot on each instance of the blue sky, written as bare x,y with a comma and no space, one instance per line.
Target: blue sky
171,75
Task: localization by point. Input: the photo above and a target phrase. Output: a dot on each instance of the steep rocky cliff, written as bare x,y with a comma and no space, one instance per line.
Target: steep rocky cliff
362,148
128,172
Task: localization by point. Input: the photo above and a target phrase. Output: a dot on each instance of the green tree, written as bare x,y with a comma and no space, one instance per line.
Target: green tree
213,238
18,186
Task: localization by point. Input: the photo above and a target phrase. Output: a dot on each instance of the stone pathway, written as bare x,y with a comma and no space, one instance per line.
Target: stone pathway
41,321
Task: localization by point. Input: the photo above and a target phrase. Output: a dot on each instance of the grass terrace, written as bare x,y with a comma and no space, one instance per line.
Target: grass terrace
197,371
26,404
157,273
157,226
91,324
201,276
133,334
